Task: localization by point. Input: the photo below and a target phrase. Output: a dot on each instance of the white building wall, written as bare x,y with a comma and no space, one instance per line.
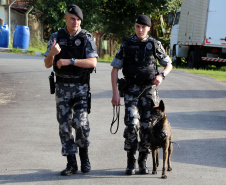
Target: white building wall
2,14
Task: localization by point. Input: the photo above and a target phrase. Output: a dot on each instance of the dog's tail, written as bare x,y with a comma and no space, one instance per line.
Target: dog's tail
176,144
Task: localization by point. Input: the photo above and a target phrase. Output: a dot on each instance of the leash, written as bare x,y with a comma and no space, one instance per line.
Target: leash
116,114
176,144
148,87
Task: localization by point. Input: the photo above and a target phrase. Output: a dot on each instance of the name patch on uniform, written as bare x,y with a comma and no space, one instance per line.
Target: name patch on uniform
77,42
63,42
149,46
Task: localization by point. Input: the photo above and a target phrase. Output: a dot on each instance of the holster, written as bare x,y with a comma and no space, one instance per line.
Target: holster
52,83
121,86
89,102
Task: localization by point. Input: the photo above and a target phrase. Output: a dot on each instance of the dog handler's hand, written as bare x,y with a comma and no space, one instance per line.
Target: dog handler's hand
115,99
158,80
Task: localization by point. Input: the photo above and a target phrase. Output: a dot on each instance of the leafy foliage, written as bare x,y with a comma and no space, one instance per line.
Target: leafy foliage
120,14
53,12
113,17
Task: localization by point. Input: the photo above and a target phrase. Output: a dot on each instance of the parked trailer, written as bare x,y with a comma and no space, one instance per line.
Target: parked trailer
198,33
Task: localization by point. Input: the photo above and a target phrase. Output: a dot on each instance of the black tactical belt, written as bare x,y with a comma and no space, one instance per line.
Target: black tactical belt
138,82
70,80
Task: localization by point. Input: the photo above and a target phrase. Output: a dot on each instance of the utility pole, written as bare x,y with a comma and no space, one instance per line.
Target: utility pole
9,15
26,13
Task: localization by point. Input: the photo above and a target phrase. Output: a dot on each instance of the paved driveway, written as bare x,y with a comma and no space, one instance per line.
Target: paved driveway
30,145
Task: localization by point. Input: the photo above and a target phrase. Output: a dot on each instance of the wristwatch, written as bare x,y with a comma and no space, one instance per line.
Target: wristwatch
73,61
163,75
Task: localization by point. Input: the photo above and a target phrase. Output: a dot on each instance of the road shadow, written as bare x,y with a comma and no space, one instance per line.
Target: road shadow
37,175
192,94
174,94
205,152
201,120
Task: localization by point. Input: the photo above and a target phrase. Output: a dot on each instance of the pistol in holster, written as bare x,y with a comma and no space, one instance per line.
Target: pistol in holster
52,83
121,86
89,102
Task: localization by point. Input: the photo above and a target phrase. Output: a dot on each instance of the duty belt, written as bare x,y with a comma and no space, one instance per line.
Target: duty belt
81,80
138,82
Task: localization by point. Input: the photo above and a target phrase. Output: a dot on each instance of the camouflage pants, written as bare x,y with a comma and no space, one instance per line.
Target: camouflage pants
137,117
71,113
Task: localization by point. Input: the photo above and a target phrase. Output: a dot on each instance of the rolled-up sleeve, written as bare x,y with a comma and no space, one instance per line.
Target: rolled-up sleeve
91,49
163,58
165,61
118,60
117,63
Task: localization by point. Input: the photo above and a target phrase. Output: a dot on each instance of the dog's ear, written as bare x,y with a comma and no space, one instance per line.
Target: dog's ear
162,106
152,103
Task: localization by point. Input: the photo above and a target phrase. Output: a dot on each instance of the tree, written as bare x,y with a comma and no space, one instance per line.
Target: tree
53,11
115,18
120,14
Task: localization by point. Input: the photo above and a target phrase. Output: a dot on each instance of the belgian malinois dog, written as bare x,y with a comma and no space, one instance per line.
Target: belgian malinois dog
160,137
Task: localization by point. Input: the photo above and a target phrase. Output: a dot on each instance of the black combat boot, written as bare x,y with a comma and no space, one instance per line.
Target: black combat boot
85,164
131,161
142,161
72,167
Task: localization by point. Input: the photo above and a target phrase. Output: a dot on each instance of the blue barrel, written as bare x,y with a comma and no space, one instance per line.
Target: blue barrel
4,36
21,37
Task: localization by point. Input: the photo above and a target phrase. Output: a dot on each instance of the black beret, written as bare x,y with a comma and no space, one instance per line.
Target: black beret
74,9
144,20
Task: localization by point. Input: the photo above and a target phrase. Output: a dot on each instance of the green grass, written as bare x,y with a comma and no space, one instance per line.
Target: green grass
38,46
35,46
219,75
106,59
211,71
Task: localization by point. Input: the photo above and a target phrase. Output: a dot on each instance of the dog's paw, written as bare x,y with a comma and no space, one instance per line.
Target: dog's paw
164,176
169,169
154,172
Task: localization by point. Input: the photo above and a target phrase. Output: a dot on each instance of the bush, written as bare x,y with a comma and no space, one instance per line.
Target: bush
106,58
37,45
223,68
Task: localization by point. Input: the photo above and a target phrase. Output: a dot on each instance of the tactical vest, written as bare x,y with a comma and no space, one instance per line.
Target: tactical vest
139,63
71,47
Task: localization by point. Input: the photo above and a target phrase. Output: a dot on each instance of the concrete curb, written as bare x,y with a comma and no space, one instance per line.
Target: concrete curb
5,49
22,51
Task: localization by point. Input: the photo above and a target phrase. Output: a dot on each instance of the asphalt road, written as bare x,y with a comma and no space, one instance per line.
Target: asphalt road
30,145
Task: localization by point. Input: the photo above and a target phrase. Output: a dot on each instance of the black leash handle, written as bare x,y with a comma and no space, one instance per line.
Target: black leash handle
116,114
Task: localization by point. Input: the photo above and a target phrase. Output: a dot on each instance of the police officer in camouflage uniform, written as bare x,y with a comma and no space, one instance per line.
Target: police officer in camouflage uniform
137,59
72,53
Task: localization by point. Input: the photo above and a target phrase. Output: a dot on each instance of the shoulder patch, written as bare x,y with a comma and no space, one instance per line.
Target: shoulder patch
158,42
90,39
52,38
124,44
89,36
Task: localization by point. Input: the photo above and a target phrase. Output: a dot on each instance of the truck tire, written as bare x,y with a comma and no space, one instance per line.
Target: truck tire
191,59
194,59
176,60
